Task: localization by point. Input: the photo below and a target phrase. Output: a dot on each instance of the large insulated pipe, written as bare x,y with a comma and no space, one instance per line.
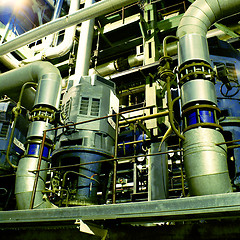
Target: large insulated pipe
97,9
118,65
9,61
84,46
205,163
42,117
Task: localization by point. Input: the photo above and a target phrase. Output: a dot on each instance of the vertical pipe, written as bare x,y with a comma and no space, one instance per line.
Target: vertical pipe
135,169
84,46
115,162
37,173
205,162
57,9
47,100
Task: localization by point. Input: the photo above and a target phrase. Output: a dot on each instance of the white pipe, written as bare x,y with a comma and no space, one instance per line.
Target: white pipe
97,9
10,61
64,47
111,67
12,81
194,24
205,162
47,95
84,46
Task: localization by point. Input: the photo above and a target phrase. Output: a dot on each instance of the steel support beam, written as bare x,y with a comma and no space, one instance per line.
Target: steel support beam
219,206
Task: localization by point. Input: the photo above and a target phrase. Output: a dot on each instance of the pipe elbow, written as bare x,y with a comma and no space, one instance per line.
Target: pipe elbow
192,29
197,19
40,68
203,13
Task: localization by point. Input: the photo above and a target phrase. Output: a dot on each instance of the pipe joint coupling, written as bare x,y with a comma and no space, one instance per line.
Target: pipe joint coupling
164,70
44,114
195,70
201,115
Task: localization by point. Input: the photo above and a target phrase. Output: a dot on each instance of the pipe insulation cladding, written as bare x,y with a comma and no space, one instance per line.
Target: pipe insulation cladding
46,102
192,29
95,10
12,81
205,162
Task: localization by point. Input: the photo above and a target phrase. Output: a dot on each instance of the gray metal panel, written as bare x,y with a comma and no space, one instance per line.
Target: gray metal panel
158,173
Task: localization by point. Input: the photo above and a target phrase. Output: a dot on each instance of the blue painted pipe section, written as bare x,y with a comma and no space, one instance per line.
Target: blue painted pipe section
205,116
35,148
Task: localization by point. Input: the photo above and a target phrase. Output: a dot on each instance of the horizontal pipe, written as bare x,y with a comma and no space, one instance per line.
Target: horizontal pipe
9,61
111,67
160,114
105,160
96,10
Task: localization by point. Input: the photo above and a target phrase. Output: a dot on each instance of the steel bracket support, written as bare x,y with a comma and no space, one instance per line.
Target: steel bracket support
91,229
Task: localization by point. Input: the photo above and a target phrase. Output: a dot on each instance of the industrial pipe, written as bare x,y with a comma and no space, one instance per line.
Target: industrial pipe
45,104
64,47
9,61
205,162
192,29
97,9
16,112
57,11
84,46
112,66
11,82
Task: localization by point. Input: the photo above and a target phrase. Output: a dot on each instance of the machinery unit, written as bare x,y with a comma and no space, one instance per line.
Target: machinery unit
119,119
12,148
90,141
18,139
